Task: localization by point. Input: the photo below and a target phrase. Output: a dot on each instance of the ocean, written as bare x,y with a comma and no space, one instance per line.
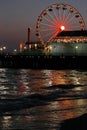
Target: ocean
41,99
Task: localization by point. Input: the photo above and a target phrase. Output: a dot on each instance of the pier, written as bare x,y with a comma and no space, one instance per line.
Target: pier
43,62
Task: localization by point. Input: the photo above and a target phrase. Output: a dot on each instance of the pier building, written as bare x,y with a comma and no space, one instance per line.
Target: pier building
68,43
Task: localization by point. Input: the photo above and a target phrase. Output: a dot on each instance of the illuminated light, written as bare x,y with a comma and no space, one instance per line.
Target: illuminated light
21,46
76,47
25,47
62,28
35,46
4,47
50,47
15,50
1,49
30,46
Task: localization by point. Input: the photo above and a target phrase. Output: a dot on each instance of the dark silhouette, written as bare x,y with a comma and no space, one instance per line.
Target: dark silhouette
79,123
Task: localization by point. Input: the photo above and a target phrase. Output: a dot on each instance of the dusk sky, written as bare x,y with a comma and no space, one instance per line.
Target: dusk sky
17,15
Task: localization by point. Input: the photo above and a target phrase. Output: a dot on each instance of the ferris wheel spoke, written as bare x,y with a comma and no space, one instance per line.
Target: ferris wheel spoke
44,25
69,19
53,36
55,15
48,36
74,22
67,16
63,15
75,26
46,29
47,33
59,15
49,21
52,18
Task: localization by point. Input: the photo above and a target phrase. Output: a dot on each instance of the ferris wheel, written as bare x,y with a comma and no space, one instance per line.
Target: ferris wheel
57,18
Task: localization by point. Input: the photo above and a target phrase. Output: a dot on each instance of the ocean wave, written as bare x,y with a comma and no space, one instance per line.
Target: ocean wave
34,100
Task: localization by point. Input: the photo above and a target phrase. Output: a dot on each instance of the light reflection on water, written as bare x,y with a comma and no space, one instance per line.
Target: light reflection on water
69,87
